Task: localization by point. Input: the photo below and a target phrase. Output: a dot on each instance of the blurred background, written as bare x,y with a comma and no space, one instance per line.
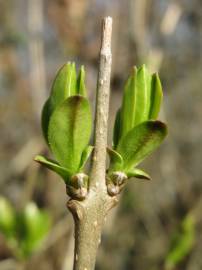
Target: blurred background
158,224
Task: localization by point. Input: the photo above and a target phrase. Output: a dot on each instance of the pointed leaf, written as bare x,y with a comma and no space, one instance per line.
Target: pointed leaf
138,174
53,166
129,104
64,86
46,112
69,131
156,97
81,88
116,160
85,155
142,95
141,141
117,129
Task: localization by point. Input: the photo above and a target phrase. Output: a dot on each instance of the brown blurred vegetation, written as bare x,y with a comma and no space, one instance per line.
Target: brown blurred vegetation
36,38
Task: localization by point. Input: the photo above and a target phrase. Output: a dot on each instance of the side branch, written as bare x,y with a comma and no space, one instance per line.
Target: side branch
102,106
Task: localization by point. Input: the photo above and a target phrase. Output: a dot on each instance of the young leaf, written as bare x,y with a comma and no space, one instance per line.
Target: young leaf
142,95
141,141
138,174
129,105
53,166
117,129
81,88
156,97
85,155
7,218
64,86
35,225
69,132
116,160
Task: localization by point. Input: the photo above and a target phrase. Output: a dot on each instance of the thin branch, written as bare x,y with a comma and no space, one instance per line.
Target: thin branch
89,214
102,105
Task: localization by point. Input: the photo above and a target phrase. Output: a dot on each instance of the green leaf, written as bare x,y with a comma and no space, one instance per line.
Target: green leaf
138,174
130,105
81,88
181,243
117,129
156,97
64,86
53,166
45,116
142,95
69,132
116,160
141,141
85,155
35,224
7,218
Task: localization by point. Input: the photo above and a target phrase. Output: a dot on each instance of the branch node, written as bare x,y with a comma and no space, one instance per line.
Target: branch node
76,209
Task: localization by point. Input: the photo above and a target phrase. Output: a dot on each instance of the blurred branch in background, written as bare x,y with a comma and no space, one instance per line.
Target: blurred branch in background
36,50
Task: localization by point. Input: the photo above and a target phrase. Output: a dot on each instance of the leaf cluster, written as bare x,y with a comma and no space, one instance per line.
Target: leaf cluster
67,124
23,230
137,133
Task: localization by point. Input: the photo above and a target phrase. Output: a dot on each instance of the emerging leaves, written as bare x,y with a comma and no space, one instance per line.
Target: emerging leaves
66,124
136,132
141,102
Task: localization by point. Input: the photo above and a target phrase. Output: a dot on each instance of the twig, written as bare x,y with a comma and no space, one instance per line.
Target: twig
89,214
102,104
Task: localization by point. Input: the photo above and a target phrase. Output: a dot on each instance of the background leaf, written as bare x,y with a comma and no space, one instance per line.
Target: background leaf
181,243
69,131
34,224
7,218
141,141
